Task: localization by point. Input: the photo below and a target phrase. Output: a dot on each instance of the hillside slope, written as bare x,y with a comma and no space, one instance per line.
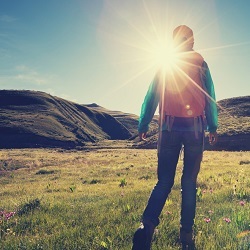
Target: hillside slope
37,119
233,130
130,121
234,124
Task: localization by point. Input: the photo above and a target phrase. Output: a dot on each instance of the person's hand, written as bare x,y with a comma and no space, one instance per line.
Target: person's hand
213,138
143,136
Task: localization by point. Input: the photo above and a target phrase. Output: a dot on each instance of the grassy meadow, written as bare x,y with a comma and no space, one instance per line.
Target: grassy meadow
93,200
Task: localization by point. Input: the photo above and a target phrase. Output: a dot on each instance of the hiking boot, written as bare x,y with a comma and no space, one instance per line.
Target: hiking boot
143,237
187,240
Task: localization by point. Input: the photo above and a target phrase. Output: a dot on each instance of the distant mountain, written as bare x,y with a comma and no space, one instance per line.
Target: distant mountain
36,119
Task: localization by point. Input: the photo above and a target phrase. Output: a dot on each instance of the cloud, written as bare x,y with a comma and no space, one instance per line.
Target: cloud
53,92
23,68
28,75
3,35
31,79
7,19
68,97
4,53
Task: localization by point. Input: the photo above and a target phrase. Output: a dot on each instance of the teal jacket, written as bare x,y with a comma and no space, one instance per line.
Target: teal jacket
152,99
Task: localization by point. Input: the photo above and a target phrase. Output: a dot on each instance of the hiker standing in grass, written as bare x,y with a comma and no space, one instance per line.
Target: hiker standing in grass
185,94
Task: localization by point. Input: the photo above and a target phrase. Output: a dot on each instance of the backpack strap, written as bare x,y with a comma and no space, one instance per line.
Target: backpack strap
169,122
198,125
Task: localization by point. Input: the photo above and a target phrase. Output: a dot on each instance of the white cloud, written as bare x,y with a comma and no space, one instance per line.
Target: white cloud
4,53
7,19
53,92
68,97
28,75
22,68
50,91
31,79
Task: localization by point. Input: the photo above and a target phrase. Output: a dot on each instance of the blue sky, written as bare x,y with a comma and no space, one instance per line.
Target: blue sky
101,51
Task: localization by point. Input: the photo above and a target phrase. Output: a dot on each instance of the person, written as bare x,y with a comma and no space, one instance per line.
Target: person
186,97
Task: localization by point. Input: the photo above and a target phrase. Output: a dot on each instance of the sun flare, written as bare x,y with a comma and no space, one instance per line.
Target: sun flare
164,56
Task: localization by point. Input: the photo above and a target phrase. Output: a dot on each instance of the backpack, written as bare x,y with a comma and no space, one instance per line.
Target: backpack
182,92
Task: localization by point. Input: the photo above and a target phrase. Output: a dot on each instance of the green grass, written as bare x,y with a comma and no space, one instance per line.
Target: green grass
93,200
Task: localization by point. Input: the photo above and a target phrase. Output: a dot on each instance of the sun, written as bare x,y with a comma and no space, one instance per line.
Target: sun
164,55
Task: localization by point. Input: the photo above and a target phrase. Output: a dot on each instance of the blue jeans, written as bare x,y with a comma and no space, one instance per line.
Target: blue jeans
169,146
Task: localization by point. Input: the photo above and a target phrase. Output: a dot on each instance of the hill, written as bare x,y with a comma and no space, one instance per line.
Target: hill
233,130
37,119
130,121
234,124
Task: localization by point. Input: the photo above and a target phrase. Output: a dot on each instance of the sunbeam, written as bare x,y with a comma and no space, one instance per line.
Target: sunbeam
224,47
141,41
128,81
202,90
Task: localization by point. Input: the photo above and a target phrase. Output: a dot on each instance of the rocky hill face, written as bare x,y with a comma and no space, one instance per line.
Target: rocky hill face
36,119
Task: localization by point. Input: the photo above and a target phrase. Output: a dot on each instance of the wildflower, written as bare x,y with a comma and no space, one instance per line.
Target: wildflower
242,203
6,215
168,212
204,191
211,190
210,211
227,220
207,220
9,215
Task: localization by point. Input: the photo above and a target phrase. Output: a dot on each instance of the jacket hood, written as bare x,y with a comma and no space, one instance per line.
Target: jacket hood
183,36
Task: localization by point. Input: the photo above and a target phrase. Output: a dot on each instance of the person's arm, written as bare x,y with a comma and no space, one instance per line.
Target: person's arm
211,111
148,108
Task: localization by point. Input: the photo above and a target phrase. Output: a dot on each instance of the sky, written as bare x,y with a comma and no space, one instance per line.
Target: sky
103,51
